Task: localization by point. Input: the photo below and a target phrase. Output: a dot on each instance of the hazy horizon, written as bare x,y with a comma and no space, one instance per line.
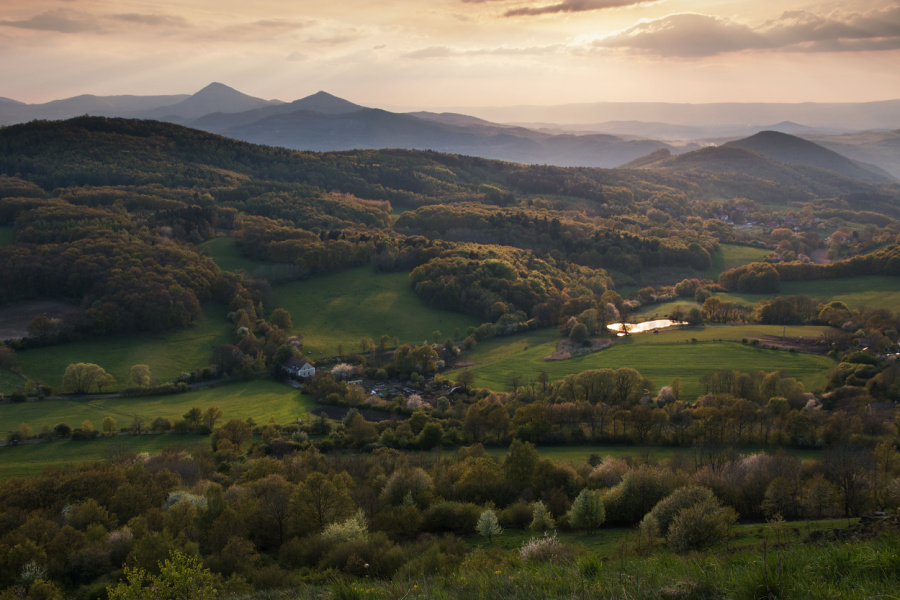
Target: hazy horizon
457,53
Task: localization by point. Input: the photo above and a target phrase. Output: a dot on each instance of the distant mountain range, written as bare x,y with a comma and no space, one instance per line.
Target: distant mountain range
324,122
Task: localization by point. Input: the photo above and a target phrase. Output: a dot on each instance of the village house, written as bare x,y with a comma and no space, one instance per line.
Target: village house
298,368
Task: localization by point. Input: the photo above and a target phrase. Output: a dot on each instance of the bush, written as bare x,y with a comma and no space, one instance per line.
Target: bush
665,510
541,519
587,510
545,549
701,526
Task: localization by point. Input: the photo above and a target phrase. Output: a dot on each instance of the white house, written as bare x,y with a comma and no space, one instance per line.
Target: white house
298,368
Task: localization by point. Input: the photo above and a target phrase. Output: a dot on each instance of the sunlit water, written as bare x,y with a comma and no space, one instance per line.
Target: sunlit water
642,327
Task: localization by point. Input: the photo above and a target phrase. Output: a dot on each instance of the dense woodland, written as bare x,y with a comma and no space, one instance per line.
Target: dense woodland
107,214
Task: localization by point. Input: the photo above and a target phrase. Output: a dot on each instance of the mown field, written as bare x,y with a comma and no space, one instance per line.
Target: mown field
261,399
345,307
30,459
7,236
224,251
729,256
660,357
168,354
871,291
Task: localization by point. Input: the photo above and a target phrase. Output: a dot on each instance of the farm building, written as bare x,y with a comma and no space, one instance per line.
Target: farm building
298,368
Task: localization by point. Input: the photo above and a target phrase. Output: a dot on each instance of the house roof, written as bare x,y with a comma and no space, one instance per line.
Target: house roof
294,362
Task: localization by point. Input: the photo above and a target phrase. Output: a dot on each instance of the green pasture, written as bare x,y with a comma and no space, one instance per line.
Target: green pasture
605,541
260,399
729,256
26,460
662,310
10,382
659,357
7,236
168,353
343,308
226,254
871,291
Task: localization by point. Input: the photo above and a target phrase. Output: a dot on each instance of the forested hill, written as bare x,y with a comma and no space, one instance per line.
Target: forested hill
106,213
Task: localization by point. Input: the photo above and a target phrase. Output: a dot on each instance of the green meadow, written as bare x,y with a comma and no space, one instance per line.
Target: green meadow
687,353
10,382
30,459
226,254
259,399
7,236
870,291
729,256
343,308
168,354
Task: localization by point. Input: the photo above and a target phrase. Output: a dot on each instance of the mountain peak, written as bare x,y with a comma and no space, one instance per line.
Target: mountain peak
325,103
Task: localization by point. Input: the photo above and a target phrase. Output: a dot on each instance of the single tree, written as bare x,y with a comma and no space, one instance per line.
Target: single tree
211,416
108,425
79,378
281,319
541,519
140,375
488,526
588,511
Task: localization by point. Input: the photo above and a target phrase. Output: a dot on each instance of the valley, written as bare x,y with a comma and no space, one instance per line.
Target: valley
427,291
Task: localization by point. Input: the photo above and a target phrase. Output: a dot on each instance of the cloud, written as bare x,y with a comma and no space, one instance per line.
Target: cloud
568,6
689,34
686,35
151,20
60,21
444,52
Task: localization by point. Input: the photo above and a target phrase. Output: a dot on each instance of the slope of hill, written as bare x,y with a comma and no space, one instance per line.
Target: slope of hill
292,126
793,150
755,175
214,98
879,148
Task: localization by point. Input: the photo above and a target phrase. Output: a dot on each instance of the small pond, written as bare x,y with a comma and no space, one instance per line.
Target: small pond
642,327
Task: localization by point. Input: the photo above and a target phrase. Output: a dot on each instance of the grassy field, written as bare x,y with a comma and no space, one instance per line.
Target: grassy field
663,309
10,382
261,399
729,256
224,251
30,459
343,308
168,354
7,236
871,291
605,541
660,357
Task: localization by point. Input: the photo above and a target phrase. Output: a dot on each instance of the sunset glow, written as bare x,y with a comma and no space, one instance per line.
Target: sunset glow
442,53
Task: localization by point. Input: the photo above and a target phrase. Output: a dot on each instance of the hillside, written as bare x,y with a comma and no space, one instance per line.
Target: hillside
793,150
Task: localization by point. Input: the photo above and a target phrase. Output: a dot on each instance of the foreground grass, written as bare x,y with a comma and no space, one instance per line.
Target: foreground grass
659,357
729,256
26,460
168,354
872,291
792,571
262,400
343,308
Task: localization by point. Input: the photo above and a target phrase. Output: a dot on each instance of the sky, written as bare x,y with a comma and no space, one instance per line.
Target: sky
428,54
